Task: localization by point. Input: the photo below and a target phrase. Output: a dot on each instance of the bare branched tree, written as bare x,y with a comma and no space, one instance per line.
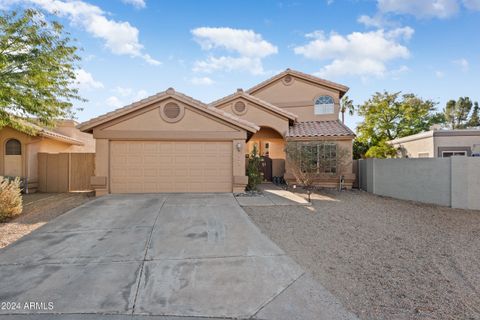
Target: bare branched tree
310,161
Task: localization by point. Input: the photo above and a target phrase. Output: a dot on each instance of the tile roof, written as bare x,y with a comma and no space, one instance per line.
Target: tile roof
241,94
299,74
333,128
39,131
170,92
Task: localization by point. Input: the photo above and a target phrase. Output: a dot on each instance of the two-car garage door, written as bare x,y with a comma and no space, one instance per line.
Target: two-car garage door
164,166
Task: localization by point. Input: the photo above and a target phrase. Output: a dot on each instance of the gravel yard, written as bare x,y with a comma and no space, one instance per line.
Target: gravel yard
38,209
384,258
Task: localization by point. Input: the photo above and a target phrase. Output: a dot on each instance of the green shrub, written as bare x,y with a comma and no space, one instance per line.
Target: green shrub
253,170
10,198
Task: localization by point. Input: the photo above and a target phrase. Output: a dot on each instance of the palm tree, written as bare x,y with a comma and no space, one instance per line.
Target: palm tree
346,104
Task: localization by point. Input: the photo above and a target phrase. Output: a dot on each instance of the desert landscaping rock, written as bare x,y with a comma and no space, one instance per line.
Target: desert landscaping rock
384,258
38,209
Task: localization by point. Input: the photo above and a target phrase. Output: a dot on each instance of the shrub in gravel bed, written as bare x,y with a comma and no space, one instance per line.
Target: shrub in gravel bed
10,198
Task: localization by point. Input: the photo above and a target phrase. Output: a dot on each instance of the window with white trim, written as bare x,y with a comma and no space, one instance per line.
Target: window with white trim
324,105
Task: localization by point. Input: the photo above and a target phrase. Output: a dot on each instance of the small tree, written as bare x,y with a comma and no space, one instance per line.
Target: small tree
456,112
37,70
307,164
10,198
253,169
347,105
475,117
381,150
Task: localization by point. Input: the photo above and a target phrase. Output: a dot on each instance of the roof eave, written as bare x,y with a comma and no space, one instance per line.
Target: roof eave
88,126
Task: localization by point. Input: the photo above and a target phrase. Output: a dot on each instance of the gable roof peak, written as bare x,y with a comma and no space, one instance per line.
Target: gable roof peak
251,98
305,76
88,126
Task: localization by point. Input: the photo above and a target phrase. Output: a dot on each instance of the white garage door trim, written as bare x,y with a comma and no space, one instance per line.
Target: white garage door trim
170,166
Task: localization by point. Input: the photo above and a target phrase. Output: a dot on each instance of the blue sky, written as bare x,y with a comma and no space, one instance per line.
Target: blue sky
207,49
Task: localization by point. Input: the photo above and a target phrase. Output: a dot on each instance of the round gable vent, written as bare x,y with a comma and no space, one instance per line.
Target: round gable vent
287,80
172,112
239,107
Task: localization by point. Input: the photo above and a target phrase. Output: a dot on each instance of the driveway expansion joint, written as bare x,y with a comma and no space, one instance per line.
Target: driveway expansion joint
147,245
276,295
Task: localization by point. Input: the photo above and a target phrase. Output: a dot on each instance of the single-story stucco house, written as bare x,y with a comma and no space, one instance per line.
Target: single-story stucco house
170,142
439,143
19,152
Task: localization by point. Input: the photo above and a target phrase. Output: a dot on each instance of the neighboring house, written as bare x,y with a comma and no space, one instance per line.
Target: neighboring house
439,144
19,152
170,142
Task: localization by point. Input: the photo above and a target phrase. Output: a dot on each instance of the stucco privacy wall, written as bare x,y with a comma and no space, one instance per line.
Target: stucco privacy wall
451,181
465,182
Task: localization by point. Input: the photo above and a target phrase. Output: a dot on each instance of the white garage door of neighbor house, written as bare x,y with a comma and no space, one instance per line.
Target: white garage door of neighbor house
163,166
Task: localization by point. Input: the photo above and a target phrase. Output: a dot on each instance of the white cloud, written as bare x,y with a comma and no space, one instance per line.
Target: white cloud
359,53
420,8
85,80
472,4
212,64
249,47
462,63
120,37
376,21
439,74
202,81
124,92
124,96
139,4
141,94
114,101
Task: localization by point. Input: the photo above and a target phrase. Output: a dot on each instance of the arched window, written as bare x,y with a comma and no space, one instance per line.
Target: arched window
13,147
324,105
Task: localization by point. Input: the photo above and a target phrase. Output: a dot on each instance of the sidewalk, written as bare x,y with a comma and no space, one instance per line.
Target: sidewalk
272,196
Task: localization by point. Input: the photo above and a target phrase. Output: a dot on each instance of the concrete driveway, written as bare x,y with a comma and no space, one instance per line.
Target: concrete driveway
183,255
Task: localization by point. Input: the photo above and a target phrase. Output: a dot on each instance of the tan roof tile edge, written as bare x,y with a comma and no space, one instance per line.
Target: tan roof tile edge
51,134
299,74
349,133
259,101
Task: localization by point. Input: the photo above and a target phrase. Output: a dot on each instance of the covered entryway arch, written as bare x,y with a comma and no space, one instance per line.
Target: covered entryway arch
271,144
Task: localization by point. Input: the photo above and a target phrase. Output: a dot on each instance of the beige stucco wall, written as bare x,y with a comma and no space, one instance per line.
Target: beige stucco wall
298,98
411,149
147,124
455,141
7,134
31,146
258,115
430,143
150,120
68,128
